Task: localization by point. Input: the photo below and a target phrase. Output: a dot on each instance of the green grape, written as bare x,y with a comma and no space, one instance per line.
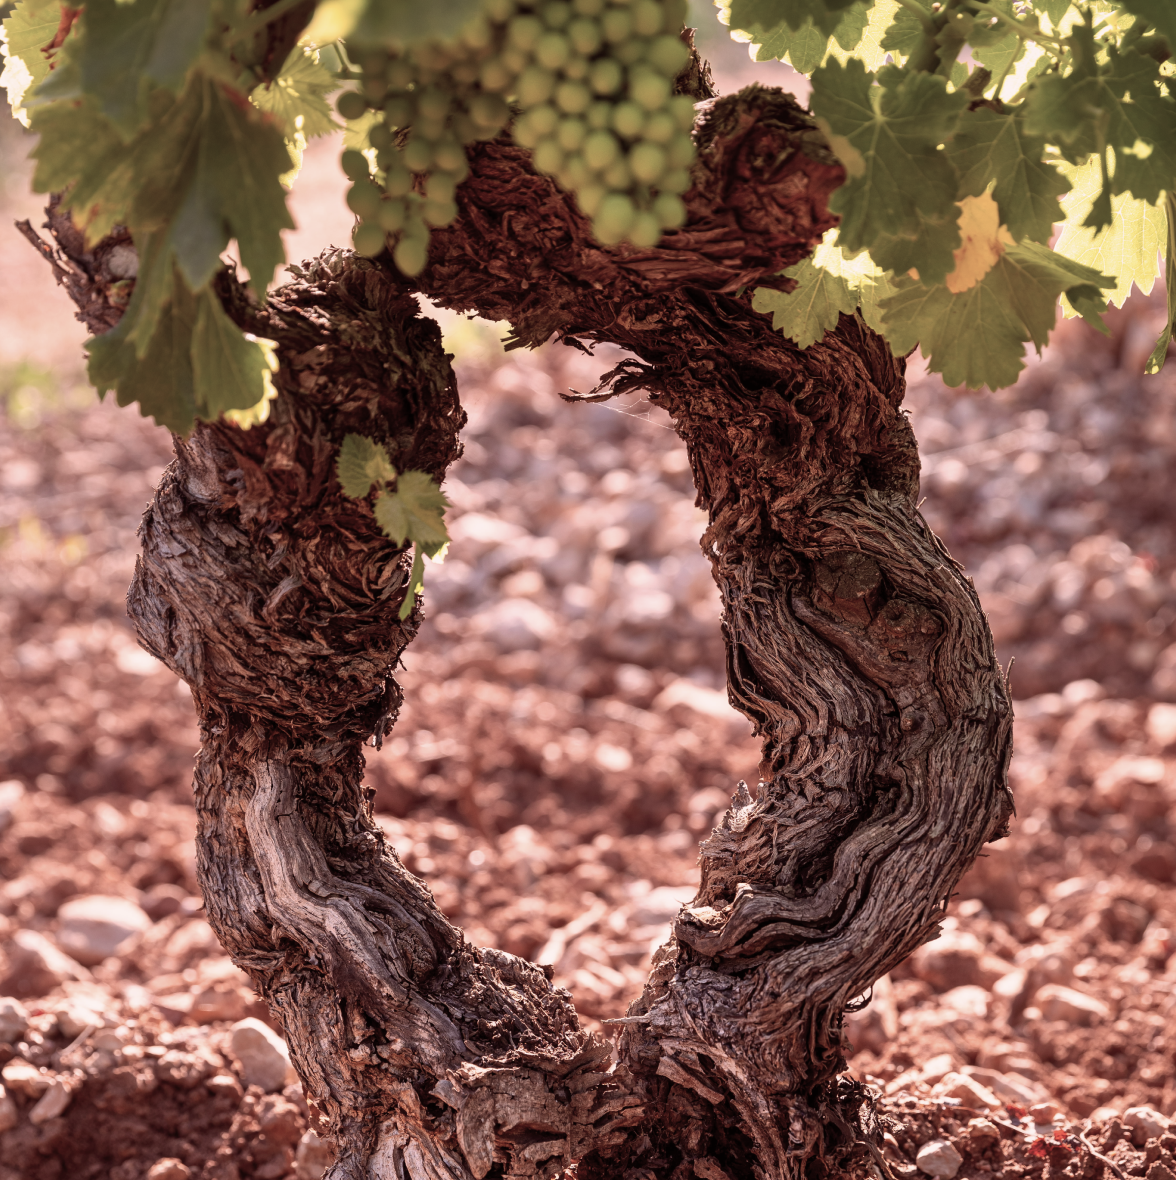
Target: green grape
477,34
515,60
439,213
400,74
651,90
368,239
355,165
397,178
385,157
677,180
351,104
647,17
589,196
588,7
648,162
613,219
667,54
545,119
397,111
676,12
526,134
574,173
631,52
495,77
585,36
499,11
552,50
448,154
535,85
380,137
606,76
616,25
617,176
465,130
599,115
601,150
431,56
628,119
433,103
363,198
646,231
572,97
556,14
577,68
681,106
440,186
411,255
489,111
372,62
548,156
465,72
660,127
373,90
680,151
670,210
417,154
430,129
392,215
523,31
571,133
460,171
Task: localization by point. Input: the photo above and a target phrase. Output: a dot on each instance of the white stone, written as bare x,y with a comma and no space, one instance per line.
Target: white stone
14,1019
938,1158
264,1059
169,1168
9,1115
1145,1124
1012,1087
52,1103
936,1068
1064,1003
312,1158
982,1131
968,1000
34,957
22,1077
968,1091
94,927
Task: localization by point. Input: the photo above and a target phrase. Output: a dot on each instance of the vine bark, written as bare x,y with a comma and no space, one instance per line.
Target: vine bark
855,644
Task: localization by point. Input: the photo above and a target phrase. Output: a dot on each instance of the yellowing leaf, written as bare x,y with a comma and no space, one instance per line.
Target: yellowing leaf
1129,248
982,242
362,463
869,48
29,27
414,512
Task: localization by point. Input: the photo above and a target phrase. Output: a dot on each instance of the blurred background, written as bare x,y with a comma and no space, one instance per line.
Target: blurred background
567,739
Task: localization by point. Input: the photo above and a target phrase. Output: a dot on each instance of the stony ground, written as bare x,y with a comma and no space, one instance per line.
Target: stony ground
567,741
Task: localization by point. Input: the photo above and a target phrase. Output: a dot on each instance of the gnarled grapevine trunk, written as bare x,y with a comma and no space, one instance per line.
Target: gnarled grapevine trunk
854,644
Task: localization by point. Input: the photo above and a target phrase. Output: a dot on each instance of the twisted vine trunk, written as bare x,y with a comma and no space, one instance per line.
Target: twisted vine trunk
854,642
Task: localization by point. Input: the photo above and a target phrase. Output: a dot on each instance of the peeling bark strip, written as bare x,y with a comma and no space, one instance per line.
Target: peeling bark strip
854,644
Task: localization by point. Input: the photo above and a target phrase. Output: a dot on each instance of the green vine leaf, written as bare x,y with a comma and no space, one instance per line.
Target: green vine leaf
362,463
29,27
415,511
297,98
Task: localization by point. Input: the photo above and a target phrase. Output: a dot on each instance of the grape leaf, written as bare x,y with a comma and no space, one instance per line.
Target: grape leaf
362,463
1128,248
888,141
857,33
296,98
29,27
161,380
415,511
905,34
1160,14
120,49
929,251
416,583
1155,362
804,48
229,372
982,241
989,147
977,337
1056,9
828,284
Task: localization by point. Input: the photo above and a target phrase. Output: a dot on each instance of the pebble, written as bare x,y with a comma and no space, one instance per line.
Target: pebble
14,1019
968,1091
9,1116
1064,1003
39,966
22,1077
312,1158
938,1158
982,1131
169,1168
1145,1124
52,1103
94,927
265,1061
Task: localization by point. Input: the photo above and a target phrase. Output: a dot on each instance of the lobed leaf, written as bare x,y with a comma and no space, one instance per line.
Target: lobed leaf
415,511
28,28
296,98
362,463
229,372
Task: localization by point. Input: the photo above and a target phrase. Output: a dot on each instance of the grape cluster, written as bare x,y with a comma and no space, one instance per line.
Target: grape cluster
591,81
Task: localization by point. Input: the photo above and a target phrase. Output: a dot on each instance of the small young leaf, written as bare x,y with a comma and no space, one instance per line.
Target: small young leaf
296,98
414,512
362,463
